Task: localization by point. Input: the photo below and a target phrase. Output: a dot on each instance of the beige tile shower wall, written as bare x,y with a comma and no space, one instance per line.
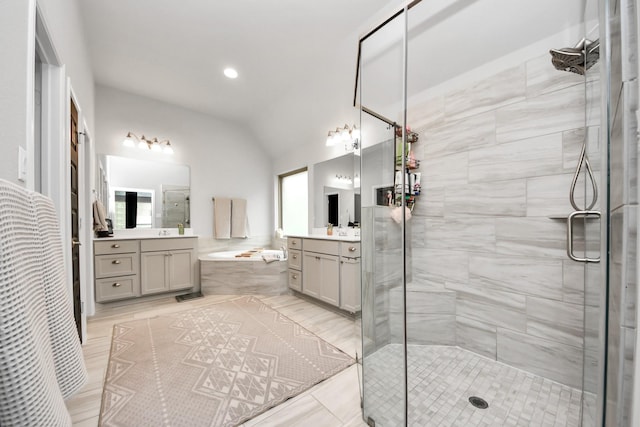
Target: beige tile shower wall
490,270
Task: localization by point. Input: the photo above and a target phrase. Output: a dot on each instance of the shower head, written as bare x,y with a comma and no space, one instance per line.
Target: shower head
577,59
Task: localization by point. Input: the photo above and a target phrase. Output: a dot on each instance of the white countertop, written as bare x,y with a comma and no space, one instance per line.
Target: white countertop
148,234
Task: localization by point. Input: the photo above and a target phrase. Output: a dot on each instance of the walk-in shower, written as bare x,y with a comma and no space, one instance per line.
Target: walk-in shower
473,314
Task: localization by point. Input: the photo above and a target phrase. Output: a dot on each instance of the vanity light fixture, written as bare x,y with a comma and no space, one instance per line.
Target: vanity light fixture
347,179
131,140
349,136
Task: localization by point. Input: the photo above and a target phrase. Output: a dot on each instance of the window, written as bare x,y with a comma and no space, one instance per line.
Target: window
294,202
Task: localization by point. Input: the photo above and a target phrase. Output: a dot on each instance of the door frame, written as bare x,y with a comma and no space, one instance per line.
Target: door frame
57,92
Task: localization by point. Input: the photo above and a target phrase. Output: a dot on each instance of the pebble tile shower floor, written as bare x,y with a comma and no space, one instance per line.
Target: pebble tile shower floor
441,380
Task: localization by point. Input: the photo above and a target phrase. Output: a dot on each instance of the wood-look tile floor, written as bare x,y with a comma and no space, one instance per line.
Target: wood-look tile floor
334,402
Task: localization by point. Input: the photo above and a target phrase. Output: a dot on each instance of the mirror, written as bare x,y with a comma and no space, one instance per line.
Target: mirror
336,191
144,194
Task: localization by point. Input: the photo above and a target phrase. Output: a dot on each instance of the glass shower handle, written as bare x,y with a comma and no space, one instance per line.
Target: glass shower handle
570,218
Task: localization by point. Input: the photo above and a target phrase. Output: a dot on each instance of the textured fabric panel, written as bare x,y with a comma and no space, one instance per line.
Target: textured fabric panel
67,353
218,365
29,392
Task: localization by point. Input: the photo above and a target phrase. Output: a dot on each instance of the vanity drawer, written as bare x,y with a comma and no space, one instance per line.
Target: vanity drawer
322,246
117,288
294,243
116,265
115,247
295,280
350,249
167,244
295,259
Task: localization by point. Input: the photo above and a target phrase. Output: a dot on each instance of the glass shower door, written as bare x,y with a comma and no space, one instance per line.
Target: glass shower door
383,237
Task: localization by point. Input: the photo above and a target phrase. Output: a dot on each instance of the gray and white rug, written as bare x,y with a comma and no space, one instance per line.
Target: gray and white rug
218,365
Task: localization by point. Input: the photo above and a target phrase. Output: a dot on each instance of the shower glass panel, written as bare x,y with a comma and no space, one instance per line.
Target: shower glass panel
382,239
493,313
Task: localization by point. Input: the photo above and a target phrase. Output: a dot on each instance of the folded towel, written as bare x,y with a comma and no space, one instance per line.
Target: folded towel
239,222
99,217
222,218
270,258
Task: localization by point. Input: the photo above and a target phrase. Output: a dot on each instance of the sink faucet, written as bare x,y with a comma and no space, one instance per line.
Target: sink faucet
284,252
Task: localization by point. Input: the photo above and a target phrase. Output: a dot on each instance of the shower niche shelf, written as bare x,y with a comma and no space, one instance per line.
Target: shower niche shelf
411,164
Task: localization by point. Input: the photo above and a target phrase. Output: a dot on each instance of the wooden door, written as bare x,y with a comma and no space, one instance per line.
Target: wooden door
75,231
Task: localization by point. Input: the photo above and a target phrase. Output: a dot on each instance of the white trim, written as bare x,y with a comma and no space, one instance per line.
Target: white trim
86,225
30,113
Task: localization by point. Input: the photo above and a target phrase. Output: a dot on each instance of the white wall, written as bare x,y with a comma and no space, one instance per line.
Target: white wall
65,26
17,58
225,159
17,35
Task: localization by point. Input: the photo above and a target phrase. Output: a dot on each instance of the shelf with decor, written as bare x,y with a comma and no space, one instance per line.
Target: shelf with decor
411,165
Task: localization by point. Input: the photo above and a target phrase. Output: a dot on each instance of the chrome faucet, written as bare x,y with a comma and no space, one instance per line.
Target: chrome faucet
284,252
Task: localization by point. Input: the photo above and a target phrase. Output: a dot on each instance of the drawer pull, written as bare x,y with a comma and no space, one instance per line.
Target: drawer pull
352,248
295,257
295,276
115,246
115,261
116,285
318,258
293,242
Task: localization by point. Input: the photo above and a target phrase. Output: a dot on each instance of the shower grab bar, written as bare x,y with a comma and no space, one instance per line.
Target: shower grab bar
570,218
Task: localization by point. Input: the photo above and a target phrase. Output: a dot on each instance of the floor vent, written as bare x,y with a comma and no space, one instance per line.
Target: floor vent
478,402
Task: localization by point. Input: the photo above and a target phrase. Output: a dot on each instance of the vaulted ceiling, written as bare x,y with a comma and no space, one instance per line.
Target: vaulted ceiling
296,59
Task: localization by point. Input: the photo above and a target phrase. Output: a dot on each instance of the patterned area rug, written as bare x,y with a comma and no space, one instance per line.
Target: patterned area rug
218,365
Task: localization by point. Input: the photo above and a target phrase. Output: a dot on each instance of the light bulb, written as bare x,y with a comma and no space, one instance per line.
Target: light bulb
128,141
230,73
168,149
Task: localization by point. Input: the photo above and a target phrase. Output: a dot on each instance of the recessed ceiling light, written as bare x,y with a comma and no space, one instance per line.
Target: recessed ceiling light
231,73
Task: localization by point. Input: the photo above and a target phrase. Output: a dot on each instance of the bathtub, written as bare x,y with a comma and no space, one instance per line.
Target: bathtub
225,273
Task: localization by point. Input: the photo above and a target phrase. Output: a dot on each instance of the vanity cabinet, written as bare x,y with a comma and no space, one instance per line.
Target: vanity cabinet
321,276
116,268
350,296
294,263
132,268
328,270
166,265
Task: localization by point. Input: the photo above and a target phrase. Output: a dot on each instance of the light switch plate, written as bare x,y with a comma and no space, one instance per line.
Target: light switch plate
22,164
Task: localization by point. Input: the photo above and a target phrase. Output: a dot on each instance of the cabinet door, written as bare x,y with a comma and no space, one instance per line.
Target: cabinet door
350,284
311,274
330,287
180,269
153,277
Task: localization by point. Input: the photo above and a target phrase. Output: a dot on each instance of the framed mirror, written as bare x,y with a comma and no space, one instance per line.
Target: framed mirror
336,192
144,194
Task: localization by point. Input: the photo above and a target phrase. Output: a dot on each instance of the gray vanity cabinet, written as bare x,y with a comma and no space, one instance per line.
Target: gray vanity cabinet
116,270
350,277
166,265
131,268
321,276
295,263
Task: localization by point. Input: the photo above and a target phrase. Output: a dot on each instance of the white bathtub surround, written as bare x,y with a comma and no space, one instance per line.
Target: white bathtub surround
228,273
